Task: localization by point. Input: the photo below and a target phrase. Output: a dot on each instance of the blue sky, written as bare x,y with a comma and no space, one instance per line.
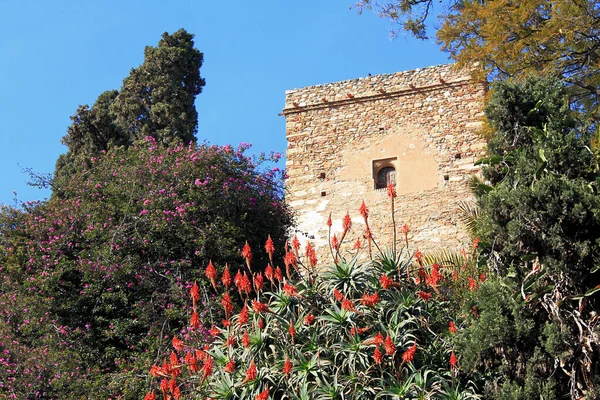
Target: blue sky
57,54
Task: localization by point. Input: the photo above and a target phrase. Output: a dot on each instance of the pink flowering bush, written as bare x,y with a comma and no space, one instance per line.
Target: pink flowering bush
94,281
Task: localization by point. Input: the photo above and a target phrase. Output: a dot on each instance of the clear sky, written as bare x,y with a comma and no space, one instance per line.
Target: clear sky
57,54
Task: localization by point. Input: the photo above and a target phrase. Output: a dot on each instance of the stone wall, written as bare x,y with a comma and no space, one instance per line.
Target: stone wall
421,122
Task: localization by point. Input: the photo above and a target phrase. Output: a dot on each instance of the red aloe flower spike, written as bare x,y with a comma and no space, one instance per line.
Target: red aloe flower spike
386,282
269,273
237,280
295,244
290,290
370,300
177,344
195,320
378,339
264,395
230,366
419,257
346,225
289,261
244,315
259,307
150,396
287,366
270,248
246,339
453,360
424,296
329,223
258,282
334,243
227,304
452,327
472,284
364,211
226,278
211,273
250,373
245,285
410,353
377,356
391,190
292,330
261,323
195,293
278,274
390,348
207,368
338,295
192,362
311,254
348,305
247,254
357,244
309,319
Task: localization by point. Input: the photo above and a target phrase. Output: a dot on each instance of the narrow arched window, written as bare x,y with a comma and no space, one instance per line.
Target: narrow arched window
385,176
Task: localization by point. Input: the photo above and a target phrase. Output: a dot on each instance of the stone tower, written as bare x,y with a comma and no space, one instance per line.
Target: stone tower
347,140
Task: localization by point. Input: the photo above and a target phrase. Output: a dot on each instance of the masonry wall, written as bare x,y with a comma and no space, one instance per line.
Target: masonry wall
424,122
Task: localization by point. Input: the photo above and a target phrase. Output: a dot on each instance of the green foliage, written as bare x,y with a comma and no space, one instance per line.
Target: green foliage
539,224
156,100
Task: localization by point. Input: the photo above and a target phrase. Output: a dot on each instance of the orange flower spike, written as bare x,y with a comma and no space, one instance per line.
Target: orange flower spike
227,304
452,327
230,366
335,245
472,284
195,293
270,248
357,244
211,274
261,323
251,373
311,254
264,395
214,331
369,300
287,366
155,371
259,307
424,296
195,320
290,290
346,223
247,254
243,318
259,282
164,387
309,319
237,280
278,274
150,396
177,344
453,360
378,356
475,243
207,368
419,257
391,191
269,273
192,362
245,285
226,278
390,348
292,330
295,244
410,353
386,282
364,211
349,306
329,223
338,295
246,339
378,339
